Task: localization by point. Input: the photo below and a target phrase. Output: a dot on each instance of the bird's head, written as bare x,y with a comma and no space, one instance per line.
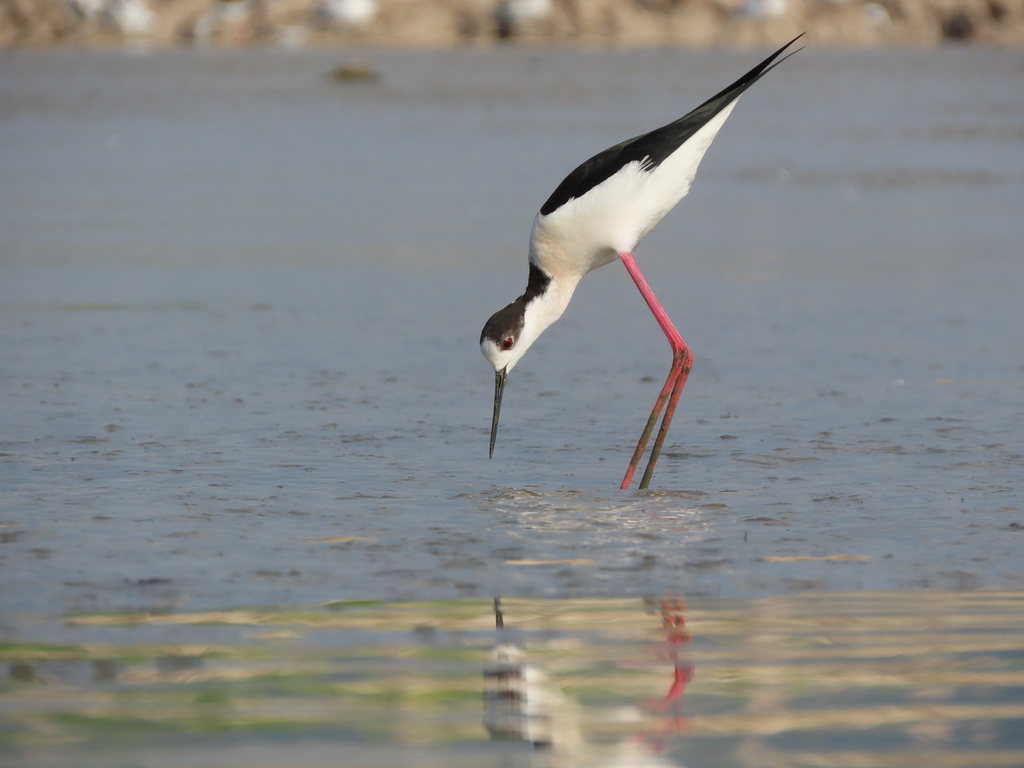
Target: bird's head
502,342
512,330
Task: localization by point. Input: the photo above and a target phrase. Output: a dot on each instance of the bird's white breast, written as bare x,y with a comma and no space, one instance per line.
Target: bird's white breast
589,231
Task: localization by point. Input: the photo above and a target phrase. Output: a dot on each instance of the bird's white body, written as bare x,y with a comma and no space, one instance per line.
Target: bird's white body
613,217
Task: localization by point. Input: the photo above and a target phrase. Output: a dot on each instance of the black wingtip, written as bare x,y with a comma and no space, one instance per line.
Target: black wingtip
653,147
756,73
791,53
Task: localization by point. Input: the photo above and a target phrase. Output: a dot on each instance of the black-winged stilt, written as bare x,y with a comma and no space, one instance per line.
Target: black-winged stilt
599,213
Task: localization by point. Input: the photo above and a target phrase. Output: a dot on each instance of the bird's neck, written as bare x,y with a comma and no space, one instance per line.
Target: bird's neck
545,306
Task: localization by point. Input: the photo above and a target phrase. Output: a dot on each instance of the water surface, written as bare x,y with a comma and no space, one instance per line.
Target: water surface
868,679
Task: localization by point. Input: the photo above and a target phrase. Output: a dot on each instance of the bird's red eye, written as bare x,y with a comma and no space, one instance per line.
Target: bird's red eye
507,343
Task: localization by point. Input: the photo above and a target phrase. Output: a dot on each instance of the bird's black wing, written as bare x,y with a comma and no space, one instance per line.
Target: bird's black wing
654,147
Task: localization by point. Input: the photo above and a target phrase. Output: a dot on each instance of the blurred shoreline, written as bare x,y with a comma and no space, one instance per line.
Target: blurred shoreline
444,23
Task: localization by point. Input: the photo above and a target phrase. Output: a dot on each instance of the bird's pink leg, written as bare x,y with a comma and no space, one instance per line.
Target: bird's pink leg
669,387
682,359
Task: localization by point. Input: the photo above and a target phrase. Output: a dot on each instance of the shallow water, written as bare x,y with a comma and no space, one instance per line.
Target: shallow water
846,679
240,306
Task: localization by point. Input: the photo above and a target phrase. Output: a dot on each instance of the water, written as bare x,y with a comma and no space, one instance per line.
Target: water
240,304
861,679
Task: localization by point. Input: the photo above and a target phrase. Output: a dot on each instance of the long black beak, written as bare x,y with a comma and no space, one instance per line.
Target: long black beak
499,387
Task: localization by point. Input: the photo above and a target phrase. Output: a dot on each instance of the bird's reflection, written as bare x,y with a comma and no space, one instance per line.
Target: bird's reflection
522,704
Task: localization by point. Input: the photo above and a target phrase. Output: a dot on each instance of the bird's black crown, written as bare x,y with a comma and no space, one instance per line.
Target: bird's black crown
507,323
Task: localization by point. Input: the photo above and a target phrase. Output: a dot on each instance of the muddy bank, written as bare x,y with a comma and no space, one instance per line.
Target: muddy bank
427,23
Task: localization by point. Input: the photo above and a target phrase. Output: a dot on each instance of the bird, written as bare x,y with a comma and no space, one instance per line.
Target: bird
512,17
354,14
599,213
